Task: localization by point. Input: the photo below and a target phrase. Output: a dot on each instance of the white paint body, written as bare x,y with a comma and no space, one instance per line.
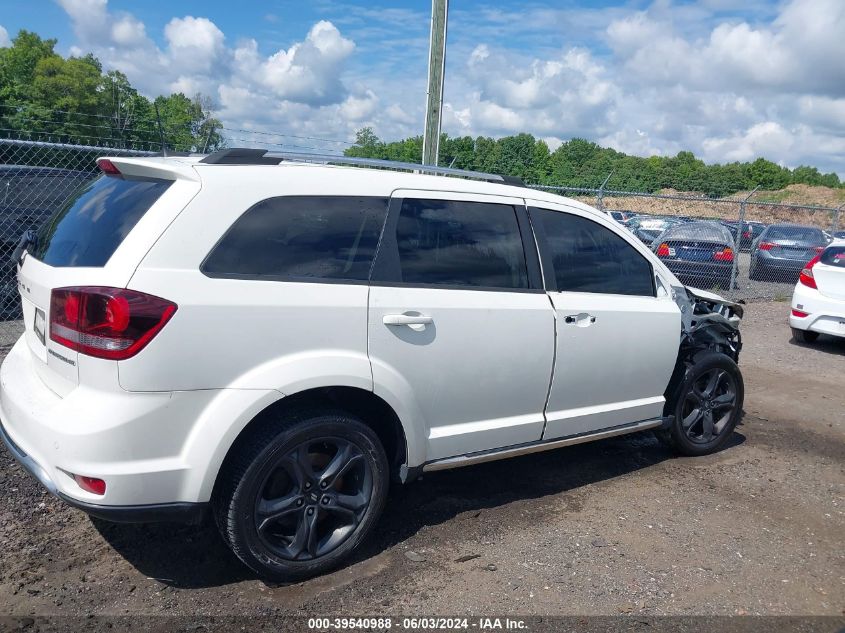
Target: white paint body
489,370
824,305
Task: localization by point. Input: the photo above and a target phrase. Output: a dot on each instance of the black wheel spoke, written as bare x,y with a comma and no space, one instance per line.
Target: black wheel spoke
689,421
346,457
353,502
707,426
724,401
271,510
303,540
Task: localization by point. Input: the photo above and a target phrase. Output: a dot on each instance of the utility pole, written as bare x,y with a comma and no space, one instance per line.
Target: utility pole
434,96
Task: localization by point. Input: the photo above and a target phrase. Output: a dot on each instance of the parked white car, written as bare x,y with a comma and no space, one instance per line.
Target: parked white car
818,302
273,339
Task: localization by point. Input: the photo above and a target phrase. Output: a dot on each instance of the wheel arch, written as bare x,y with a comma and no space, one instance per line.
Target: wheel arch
363,404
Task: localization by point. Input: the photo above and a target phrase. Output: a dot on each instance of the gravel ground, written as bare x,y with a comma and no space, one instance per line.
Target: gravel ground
615,527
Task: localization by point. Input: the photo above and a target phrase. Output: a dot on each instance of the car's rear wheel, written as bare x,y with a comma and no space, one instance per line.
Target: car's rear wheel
707,405
300,494
804,336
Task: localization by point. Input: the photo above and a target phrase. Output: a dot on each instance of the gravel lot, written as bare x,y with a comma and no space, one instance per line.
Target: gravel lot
619,526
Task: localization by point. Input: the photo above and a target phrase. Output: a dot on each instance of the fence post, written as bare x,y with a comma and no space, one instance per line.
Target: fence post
600,196
836,218
738,236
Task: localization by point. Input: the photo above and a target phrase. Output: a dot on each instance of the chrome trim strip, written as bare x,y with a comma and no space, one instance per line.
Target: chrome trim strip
536,447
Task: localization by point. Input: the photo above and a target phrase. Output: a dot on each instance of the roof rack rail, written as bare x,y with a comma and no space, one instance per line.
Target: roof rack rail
242,156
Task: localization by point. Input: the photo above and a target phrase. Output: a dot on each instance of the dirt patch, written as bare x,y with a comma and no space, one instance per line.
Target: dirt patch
619,526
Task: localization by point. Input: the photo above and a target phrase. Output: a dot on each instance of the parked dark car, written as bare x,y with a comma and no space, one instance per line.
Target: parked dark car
649,227
781,251
699,253
750,231
622,216
28,196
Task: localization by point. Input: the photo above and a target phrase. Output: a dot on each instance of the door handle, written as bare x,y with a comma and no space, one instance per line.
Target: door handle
414,321
581,319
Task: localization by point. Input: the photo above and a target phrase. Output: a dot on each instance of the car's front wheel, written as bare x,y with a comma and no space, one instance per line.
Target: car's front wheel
300,494
707,405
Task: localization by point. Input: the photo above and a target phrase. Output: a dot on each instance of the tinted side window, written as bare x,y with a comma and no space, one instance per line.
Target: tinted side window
322,237
587,257
460,244
90,226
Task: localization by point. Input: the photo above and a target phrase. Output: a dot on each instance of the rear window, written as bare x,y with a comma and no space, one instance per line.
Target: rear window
834,256
796,233
301,237
89,227
698,232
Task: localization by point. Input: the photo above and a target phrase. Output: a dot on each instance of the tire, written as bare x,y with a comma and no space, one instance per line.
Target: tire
753,273
270,498
804,336
696,398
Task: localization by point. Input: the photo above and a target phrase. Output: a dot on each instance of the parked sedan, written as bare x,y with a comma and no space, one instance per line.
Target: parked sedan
648,228
818,302
750,231
781,251
699,253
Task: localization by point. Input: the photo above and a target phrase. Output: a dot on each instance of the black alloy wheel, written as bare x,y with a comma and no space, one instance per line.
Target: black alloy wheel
313,499
298,493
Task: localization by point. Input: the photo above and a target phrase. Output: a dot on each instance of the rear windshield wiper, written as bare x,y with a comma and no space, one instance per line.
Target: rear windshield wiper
27,239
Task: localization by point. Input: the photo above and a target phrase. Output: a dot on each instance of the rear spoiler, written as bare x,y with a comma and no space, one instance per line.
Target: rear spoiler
171,168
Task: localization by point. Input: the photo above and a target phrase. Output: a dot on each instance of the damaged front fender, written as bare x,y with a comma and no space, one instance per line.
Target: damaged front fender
709,323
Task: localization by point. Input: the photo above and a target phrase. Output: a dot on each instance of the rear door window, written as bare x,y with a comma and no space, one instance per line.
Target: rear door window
588,257
301,238
89,227
469,244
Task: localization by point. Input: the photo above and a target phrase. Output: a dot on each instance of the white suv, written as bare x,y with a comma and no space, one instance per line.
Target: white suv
274,338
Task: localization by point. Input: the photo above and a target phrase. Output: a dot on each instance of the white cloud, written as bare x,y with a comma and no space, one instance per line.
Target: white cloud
4,37
674,76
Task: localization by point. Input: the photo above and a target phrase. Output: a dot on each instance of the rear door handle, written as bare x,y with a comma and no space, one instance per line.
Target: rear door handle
581,319
414,321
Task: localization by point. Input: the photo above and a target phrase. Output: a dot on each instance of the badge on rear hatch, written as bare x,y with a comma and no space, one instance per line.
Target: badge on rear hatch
39,325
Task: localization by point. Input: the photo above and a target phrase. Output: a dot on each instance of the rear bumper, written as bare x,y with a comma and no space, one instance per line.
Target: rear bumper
176,512
780,264
135,442
824,315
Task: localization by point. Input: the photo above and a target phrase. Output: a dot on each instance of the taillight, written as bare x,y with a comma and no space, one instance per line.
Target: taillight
663,250
766,246
108,167
112,323
806,276
724,255
799,313
819,249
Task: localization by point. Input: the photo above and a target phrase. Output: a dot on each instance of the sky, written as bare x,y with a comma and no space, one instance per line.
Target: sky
728,80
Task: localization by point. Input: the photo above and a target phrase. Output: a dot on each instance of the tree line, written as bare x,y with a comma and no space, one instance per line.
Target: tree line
581,163
71,100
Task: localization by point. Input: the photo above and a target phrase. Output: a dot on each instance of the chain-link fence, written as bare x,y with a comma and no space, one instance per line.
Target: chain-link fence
738,245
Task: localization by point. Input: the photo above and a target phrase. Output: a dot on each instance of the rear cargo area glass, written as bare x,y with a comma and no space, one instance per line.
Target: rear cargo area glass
87,230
